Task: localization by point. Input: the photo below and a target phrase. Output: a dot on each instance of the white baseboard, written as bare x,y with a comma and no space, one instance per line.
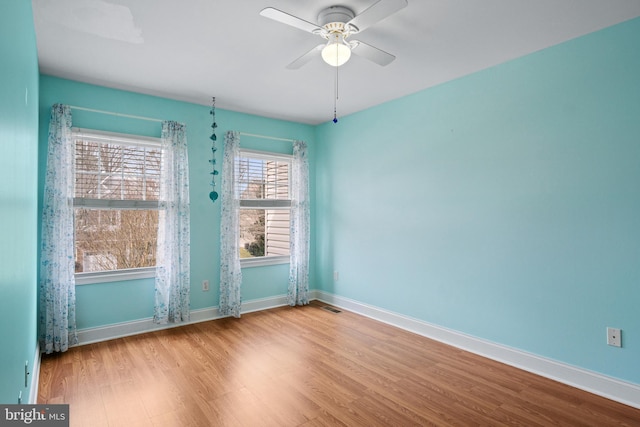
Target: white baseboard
124,329
35,376
602,385
263,304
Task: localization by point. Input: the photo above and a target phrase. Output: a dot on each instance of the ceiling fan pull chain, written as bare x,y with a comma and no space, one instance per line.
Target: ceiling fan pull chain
335,101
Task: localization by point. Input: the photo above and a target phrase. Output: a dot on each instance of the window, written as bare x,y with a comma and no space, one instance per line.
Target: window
116,191
262,182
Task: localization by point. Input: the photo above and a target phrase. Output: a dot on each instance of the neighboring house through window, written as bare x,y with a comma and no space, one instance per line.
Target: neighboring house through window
117,184
263,185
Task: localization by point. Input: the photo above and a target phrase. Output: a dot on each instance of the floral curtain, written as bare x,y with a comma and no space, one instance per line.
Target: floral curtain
57,312
230,272
172,282
299,233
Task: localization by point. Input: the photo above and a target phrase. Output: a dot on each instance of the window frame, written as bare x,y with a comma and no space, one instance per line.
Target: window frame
266,204
92,277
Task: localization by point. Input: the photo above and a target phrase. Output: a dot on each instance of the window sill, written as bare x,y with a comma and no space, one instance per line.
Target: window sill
262,261
115,276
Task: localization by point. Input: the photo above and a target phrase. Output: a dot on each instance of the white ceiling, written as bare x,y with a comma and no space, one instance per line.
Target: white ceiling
191,50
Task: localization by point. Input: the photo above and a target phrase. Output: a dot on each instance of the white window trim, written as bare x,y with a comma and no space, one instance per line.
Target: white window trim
120,138
114,275
263,204
263,261
265,155
116,204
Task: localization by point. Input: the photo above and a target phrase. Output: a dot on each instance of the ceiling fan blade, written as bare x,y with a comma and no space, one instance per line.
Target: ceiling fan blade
376,12
285,18
305,58
373,54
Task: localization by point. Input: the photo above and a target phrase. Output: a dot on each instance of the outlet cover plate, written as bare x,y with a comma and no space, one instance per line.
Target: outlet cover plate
614,337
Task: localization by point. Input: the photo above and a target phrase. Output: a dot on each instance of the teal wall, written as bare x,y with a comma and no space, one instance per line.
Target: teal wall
18,201
109,303
505,204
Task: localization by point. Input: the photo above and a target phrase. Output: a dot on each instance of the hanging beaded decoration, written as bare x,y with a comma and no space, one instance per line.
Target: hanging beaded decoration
213,195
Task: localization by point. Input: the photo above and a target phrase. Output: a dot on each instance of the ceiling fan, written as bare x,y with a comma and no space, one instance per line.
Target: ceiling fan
336,24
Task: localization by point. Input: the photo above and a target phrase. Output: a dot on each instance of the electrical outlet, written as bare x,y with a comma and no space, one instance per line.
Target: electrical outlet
336,276
614,337
205,285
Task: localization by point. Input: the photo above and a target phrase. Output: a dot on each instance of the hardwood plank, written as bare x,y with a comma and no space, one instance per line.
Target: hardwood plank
123,403
87,409
324,420
306,366
243,408
289,406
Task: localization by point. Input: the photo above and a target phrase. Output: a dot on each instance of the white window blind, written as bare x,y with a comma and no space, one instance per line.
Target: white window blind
263,177
114,167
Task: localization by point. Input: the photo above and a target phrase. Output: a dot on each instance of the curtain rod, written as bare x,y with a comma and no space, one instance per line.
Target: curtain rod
267,137
73,107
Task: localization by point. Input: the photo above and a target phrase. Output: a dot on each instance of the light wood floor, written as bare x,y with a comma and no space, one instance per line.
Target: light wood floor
305,366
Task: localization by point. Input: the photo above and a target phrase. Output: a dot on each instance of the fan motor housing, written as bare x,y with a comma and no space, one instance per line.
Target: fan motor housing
335,14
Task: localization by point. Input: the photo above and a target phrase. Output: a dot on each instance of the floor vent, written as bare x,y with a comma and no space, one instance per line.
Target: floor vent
331,309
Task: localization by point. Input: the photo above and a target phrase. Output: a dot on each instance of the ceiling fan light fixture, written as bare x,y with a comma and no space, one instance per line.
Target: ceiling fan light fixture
337,51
